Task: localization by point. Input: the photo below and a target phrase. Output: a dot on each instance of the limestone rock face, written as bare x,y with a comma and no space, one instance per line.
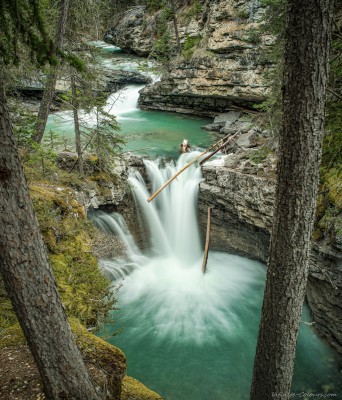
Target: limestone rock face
224,70
242,209
134,32
324,294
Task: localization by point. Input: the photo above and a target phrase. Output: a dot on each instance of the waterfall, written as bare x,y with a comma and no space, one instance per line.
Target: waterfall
124,101
180,325
170,220
171,216
167,277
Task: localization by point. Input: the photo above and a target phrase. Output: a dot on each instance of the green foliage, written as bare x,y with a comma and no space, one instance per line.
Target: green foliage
329,204
332,143
23,124
189,45
274,24
253,36
67,235
22,23
243,14
162,49
103,141
40,161
196,9
154,5
328,215
274,18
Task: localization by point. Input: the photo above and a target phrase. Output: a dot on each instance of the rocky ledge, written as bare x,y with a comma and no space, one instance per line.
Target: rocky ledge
103,192
220,66
118,78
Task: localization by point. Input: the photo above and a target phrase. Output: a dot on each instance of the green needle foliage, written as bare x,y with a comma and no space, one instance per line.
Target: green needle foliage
22,22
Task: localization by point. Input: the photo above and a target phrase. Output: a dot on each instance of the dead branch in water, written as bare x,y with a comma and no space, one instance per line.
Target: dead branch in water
207,242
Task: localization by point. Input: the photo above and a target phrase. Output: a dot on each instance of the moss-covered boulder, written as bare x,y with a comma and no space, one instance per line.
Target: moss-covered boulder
132,389
102,354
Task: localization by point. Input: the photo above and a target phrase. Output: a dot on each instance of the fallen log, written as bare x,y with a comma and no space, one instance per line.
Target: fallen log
207,242
218,149
180,171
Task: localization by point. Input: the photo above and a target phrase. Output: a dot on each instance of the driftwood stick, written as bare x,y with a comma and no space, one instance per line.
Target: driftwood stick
207,242
218,149
180,171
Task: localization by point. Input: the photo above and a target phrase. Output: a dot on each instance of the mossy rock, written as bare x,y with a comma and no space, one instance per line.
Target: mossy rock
135,390
109,358
12,336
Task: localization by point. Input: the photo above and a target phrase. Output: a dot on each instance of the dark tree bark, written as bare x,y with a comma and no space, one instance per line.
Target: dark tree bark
77,125
307,44
29,280
45,104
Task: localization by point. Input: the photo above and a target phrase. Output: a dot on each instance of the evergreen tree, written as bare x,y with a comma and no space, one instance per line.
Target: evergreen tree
50,86
24,264
307,43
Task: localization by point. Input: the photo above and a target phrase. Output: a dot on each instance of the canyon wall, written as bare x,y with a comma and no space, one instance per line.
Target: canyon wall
223,70
242,208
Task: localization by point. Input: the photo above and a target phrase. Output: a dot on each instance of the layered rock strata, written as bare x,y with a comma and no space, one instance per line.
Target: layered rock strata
221,71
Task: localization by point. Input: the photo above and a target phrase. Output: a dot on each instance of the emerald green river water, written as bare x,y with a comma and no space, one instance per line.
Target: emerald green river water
146,132
186,335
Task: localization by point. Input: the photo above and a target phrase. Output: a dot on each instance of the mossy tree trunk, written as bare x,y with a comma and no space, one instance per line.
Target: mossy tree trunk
50,86
307,43
29,280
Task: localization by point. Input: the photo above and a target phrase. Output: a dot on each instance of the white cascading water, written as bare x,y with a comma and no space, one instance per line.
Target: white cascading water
124,101
167,278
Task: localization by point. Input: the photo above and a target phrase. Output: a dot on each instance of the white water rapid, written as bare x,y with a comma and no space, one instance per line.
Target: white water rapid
178,298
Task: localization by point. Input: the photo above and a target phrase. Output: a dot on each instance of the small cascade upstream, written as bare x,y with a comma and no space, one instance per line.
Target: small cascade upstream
146,132
123,102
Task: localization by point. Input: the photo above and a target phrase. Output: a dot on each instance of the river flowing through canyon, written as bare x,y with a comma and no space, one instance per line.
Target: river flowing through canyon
149,133
186,335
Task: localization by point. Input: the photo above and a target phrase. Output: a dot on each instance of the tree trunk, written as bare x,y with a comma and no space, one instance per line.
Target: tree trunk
307,43
77,125
175,24
29,280
45,104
